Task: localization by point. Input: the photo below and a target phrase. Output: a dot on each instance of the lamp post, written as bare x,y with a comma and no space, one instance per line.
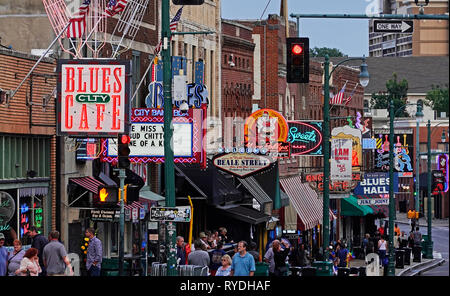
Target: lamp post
169,172
364,81
419,118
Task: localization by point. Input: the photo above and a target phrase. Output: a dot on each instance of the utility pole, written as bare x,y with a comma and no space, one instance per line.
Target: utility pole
169,173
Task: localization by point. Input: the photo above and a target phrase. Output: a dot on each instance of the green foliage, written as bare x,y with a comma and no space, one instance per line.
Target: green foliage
397,91
437,98
321,52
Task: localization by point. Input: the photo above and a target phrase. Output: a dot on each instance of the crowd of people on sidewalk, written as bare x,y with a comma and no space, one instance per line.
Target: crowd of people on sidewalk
47,256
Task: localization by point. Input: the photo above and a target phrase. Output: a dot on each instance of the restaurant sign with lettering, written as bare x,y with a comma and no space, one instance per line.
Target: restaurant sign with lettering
305,138
242,164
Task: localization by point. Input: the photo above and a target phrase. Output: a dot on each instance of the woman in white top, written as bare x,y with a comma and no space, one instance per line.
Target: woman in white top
382,248
29,266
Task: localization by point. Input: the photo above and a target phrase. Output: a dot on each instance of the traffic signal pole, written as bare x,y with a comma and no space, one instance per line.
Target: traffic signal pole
122,177
169,170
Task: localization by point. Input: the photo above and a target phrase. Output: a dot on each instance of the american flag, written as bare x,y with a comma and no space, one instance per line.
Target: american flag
338,98
78,21
115,6
173,27
349,99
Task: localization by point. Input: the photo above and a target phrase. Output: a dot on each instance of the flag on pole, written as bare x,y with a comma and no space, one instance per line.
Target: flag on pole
348,100
115,6
338,98
173,27
78,21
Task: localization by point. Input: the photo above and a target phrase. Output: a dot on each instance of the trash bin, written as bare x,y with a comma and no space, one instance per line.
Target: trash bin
309,271
399,259
417,254
407,256
354,271
324,268
261,269
362,271
343,271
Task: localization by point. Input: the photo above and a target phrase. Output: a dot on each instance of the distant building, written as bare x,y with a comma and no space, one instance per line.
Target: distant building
429,38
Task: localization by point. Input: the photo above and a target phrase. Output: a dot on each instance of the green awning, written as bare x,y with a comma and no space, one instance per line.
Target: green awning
350,207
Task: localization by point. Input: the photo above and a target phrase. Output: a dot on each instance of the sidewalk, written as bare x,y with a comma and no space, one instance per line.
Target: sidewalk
401,218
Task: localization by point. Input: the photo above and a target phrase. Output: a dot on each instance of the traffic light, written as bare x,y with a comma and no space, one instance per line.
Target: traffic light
107,196
188,2
123,151
297,54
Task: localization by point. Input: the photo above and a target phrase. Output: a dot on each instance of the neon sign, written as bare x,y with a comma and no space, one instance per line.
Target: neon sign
305,137
442,165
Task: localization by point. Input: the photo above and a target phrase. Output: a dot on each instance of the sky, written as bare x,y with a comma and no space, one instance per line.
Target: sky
350,36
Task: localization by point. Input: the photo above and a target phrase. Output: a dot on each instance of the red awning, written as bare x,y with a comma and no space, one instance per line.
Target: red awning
88,183
305,200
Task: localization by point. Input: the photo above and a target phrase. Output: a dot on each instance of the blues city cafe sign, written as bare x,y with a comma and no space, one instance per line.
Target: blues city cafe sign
93,97
242,164
305,138
376,183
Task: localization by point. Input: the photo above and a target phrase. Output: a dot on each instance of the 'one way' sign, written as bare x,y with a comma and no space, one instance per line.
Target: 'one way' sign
393,26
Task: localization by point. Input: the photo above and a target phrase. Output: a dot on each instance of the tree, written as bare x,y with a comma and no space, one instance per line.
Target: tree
397,91
321,52
437,98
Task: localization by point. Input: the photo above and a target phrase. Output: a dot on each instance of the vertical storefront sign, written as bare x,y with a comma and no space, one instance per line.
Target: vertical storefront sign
403,150
347,132
341,160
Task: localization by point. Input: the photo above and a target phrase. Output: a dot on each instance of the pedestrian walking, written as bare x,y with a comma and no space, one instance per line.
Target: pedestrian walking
301,256
403,240
39,241
14,258
55,256
29,266
3,255
94,254
417,242
199,256
181,251
382,248
269,257
396,230
243,264
335,266
225,269
341,253
253,251
216,258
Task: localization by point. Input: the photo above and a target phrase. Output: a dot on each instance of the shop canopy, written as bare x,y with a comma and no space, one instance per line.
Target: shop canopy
350,207
305,200
244,214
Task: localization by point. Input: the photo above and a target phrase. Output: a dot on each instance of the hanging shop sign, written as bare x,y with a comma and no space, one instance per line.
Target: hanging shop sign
197,95
7,210
147,137
442,165
375,184
87,149
315,181
347,132
175,214
369,144
242,164
341,160
403,155
93,97
373,201
305,138
105,215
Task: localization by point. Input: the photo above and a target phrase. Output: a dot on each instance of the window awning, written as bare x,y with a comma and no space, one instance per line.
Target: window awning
245,214
350,207
258,193
305,200
146,193
88,183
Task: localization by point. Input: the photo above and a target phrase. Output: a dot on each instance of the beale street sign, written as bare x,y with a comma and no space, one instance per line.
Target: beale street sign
241,164
93,97
393,26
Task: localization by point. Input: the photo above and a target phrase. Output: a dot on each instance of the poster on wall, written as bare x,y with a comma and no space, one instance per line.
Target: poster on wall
93,97
341,160
305,138
347,132
403,150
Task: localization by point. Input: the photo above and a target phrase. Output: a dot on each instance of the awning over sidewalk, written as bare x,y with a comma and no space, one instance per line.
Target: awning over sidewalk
305,200
350,207
245,214
258,193
88,183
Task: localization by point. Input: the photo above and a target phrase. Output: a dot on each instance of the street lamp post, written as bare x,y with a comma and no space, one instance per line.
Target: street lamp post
363,80
391,265
419,117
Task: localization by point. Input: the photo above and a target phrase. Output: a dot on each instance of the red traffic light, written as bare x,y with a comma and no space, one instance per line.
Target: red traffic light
124,139
297,49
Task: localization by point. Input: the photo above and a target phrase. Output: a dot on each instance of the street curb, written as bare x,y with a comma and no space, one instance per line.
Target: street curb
429,265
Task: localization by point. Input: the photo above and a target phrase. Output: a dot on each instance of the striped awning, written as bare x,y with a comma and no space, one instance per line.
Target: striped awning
88,183
305,200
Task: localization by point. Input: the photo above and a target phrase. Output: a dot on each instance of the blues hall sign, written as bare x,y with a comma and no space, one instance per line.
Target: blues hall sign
305,137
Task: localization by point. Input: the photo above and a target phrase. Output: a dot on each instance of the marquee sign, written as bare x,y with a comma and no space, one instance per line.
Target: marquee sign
147,137
305,138
241,164
93,97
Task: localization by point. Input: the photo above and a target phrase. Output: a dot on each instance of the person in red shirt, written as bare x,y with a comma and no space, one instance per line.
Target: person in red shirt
381,230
